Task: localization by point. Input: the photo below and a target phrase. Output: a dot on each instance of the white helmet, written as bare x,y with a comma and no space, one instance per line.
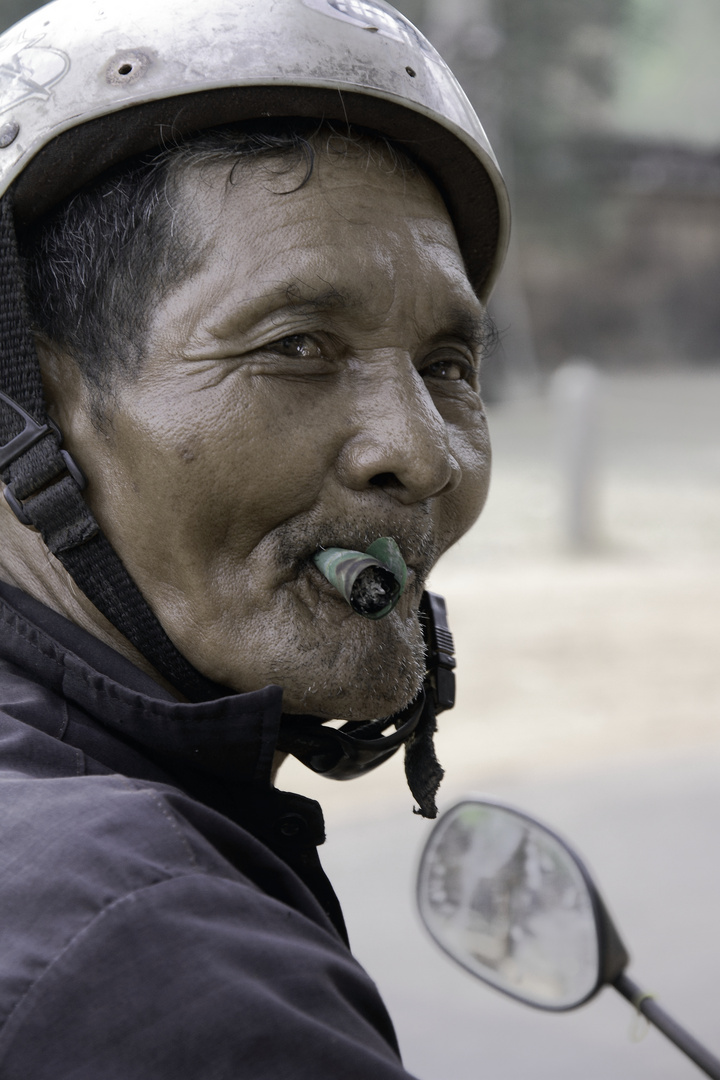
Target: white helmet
85,84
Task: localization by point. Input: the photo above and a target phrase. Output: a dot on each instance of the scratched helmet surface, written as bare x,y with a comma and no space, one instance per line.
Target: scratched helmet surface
85,84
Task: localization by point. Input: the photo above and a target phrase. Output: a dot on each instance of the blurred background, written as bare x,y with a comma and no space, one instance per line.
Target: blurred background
586,602
605,119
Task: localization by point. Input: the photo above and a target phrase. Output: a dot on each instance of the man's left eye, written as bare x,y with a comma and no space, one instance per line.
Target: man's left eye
449,368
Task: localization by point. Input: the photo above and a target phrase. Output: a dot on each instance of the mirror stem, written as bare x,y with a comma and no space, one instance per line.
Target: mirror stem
647,1005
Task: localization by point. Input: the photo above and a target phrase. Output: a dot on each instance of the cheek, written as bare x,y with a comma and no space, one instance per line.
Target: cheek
219,477
471,448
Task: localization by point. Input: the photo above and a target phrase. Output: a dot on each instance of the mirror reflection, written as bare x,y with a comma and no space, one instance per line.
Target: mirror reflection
506,899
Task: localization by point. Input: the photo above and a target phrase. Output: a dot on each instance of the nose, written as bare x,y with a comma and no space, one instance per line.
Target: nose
400,442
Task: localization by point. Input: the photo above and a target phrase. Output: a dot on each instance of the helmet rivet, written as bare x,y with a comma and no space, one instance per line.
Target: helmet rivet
410,72
126,67
8,133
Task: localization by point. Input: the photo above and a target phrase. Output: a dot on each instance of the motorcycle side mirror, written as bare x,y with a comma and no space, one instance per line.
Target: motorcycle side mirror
510,901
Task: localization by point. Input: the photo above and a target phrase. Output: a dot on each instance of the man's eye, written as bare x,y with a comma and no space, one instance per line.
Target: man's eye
448,368
298,345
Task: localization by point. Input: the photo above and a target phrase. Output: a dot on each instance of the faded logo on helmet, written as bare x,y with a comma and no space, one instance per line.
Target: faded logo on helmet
375,17
30,72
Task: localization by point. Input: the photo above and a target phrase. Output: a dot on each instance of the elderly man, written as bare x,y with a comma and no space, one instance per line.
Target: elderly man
245,254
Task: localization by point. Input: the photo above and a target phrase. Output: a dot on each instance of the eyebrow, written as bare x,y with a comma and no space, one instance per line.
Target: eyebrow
474,328
300,296
477,329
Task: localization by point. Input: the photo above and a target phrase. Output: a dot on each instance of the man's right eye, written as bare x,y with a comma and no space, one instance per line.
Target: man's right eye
302,346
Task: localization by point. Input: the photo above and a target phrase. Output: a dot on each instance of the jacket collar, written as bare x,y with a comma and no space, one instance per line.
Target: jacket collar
233,737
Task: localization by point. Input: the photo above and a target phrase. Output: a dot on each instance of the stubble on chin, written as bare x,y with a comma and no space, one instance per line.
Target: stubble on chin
359,671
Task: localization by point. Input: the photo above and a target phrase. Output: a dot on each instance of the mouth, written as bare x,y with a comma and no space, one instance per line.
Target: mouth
300,543
307,567
416,548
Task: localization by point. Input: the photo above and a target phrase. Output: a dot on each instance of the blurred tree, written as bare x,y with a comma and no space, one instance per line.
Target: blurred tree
541,73
558,74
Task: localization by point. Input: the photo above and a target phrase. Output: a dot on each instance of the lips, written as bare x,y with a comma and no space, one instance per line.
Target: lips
296,541
418,550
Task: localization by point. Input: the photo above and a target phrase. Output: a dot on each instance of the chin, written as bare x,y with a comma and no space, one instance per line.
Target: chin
361,684
371,704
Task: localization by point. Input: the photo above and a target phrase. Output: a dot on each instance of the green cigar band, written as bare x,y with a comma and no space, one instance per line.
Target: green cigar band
368,583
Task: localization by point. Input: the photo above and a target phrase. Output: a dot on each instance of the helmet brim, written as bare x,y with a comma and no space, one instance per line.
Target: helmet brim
471,191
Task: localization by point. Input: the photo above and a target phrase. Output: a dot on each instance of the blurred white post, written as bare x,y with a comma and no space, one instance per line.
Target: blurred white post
575,392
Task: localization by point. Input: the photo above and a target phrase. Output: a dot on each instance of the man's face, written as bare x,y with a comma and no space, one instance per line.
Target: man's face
313,382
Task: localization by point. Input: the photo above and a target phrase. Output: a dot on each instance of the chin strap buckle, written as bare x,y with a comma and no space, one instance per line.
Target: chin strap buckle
440,677
31,434
357,747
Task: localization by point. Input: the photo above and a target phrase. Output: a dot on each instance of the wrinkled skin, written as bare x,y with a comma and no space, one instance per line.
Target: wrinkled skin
314,382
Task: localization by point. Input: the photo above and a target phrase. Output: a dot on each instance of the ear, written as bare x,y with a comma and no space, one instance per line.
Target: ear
66,394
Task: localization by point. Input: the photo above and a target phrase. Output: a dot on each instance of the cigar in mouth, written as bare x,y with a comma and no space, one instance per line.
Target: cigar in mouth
370,581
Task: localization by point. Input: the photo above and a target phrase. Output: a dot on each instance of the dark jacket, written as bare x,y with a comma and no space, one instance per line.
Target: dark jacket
163,913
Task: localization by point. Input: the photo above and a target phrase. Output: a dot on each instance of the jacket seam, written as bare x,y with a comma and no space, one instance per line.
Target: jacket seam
170,816
69,944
